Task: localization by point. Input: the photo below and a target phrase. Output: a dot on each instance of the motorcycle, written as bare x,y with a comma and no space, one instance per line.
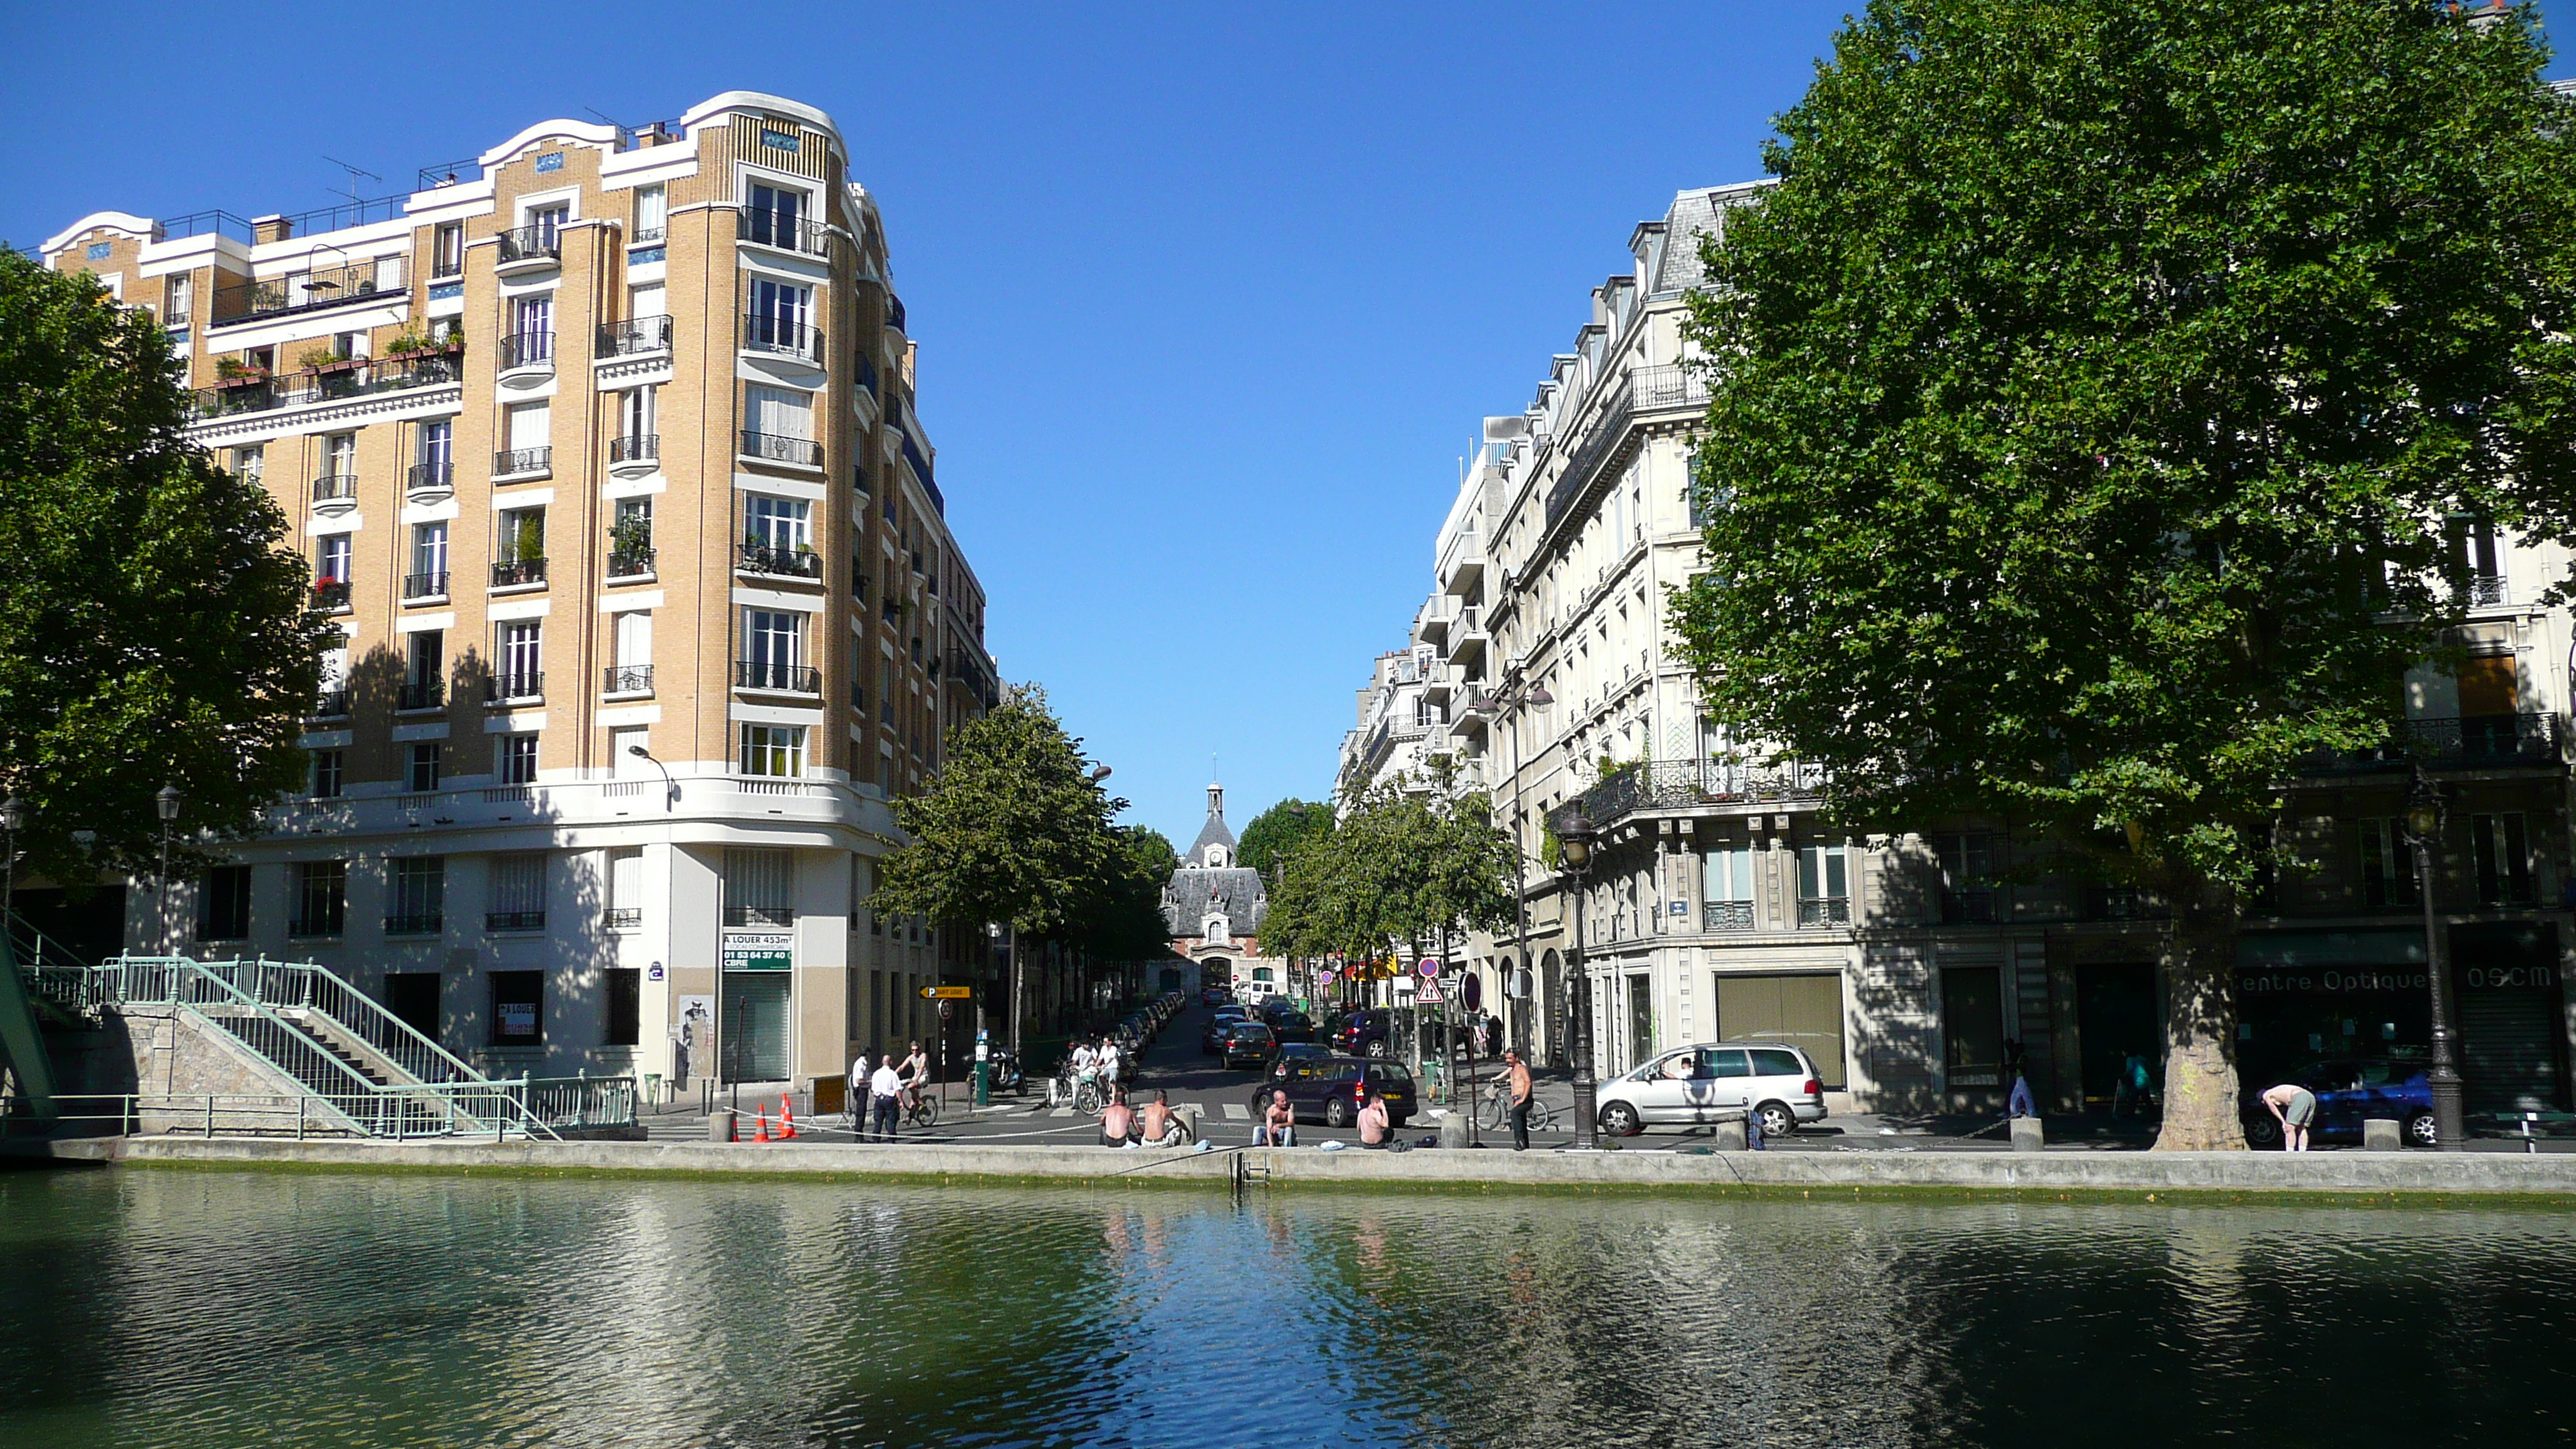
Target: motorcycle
1002,1071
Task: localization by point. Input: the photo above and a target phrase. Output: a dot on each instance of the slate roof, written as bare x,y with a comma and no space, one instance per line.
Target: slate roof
1212,833
1192,889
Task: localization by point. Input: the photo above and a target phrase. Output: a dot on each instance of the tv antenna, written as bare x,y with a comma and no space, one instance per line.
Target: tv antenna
354,173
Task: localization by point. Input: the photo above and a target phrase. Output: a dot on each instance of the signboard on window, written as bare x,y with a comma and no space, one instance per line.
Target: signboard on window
759,950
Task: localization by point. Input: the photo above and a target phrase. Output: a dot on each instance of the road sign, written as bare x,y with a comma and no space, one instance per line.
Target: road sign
947,993
1427,966
1471,992
1429,995
944,1009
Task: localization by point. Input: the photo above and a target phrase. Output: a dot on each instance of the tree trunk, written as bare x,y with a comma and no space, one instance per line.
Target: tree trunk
2201,1091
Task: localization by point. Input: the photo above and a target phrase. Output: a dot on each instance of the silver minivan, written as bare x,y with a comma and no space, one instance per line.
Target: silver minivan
1716,1082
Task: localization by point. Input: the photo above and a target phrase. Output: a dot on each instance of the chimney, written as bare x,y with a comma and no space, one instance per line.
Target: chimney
270,228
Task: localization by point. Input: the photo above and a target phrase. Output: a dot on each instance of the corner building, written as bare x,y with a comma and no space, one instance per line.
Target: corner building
604,452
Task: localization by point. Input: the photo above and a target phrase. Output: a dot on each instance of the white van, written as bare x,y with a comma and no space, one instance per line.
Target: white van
1716,1082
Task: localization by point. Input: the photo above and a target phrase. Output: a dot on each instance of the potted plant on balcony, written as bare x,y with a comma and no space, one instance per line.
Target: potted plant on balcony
410,346
230,372
324,359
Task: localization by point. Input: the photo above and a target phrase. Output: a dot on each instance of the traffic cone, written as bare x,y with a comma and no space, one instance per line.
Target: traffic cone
786,1119
760,1115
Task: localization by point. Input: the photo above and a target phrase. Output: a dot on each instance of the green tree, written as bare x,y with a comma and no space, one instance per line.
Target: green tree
153,630
1281,831
2094,384
1012,829
1127,922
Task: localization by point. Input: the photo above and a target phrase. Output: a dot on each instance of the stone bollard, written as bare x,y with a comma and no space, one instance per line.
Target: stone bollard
1189,1116
2379,1134
1730,1136
2027,1136
720,1125
1453,1130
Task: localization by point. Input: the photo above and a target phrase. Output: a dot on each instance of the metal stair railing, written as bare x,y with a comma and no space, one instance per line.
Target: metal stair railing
49,971
303,985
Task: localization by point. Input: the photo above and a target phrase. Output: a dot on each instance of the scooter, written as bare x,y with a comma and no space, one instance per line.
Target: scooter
1002,1071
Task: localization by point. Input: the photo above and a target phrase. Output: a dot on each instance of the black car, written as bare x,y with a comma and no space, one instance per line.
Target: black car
1290,1025
1366,1033
1295,1060
1329,1090
1212,1040
1248,1044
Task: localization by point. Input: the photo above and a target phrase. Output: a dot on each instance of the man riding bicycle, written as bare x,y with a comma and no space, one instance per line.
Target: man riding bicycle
914,1071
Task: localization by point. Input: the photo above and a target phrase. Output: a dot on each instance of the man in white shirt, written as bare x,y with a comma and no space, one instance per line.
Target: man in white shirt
886,1090
1111,1060
855,1095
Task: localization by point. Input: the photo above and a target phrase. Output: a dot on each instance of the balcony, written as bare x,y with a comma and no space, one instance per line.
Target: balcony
253,394
339,488
1726,916
2485,590
331,595
514,920
522,462
528,352
530,247
430,478
630,563
518,573
777,337
2474,742
635,448
635,337
1679,784
760,915
331,924
771,448
1822,911
785,678
419,923
622,918
308,291
894,312
330,704
526,684
786,232
421,694
779,561
417,587
626,679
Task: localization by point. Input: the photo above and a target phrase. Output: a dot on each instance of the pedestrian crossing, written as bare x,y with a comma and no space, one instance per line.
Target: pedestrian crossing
1237,1112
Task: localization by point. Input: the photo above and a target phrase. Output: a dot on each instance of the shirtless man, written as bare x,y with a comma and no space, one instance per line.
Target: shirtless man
1157,1118
1373,1121
1278,1124
1516,1076
1117,1123
2294,1107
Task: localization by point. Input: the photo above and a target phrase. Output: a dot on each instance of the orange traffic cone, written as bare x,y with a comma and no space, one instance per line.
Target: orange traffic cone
760,1115
786,1119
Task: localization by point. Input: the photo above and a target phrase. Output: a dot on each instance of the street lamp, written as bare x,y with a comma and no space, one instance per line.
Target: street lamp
13,818
2424,817
166,801
1575,834
671,787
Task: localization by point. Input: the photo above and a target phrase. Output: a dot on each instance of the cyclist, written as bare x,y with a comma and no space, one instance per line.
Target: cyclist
1110,1062
914,1071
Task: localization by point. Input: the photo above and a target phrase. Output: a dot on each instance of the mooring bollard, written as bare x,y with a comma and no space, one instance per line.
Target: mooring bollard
720,1125
1731,1136
2378,1134
2027,1135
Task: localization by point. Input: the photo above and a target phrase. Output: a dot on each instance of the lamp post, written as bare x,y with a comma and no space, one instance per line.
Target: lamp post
670,787
167,801
1575,834
2424,817
13,818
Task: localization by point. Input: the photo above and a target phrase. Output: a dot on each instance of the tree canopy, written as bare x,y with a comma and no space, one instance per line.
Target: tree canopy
1127,924
153,628
1281,831
1400,869
2094,384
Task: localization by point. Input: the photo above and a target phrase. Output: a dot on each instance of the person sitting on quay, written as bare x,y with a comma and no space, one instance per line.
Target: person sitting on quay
1278,1124
1117,1122
1158,1123
1373,1120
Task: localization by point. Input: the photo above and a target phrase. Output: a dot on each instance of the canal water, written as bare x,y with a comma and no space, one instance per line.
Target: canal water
177,1308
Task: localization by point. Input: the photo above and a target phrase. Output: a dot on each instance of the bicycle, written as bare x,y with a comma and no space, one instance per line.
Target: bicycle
1494,1108
922,1110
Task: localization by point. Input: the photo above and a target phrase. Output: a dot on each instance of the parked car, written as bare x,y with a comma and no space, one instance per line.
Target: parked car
1212,1040
1291,1025
1716,1082
1329,1089
1367,1033
1215,996
2351,1091
1248,1044
1296,1060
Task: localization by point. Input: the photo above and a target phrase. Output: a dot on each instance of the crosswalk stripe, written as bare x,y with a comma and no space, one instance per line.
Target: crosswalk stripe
1237,1112
1061,1112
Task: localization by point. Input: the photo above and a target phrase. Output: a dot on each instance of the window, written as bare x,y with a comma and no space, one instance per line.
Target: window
447,249
250,464
419,895
521,649
522,539
2480,561
647,301
773,648
178,299
773,750
2387,864
652,214
780,413
1967,878
530,433
1824,886
340,455
758,887
331,559
1726,898
548,223
428,578
2501,850
532,332
774,212
1972,1026
518,892
436,464
328,768
625,1003
518,1008
223,904
635,412
424,669
424,765
779,315
518,759
625,888
321,898
778,523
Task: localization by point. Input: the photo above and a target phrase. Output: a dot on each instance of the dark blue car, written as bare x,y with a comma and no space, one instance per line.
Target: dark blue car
2351,1091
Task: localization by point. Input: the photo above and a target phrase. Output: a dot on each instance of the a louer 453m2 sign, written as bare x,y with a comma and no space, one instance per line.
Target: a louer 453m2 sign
759,950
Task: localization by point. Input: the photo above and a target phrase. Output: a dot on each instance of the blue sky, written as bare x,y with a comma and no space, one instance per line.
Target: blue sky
1210,298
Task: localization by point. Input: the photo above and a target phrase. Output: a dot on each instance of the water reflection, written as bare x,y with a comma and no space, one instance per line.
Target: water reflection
183,1308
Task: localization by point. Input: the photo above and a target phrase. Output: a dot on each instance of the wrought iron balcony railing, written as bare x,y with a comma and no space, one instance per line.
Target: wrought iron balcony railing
763,674
418,923
1972,906
769,558
622,918
295,389
1674,784
2472,742
517,571
630,563
634,447
634,335
421,694
626,679
330,704
527,349
531,243
775,335
514,920
526,684
1726,915
331,594
788,233
332,486
331,924
771,448
424,586
522,460
760,915
1824,911
427,476
316,288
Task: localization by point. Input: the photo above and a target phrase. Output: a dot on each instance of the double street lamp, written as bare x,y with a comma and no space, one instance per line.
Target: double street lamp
1575,835
2424,818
